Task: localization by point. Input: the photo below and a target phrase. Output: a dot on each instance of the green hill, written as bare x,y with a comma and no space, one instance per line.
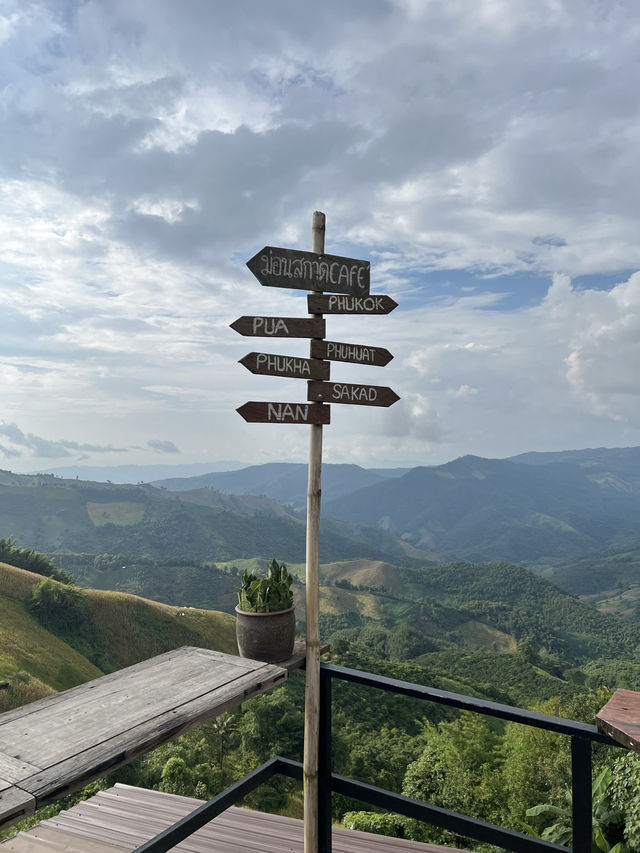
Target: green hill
115,630
54,515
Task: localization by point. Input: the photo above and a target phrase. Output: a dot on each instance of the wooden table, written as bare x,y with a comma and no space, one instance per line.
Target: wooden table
58,744
620,718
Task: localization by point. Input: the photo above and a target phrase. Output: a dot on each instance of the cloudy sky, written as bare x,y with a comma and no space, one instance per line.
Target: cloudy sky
483,154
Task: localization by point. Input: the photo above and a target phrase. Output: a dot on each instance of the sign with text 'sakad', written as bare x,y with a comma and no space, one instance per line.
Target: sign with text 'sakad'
348,392
276,267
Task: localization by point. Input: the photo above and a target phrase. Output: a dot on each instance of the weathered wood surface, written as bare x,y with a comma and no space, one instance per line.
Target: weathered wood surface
269,364
124,817
277,267
373,304
279,327
349,392
353,353
620,718
255,412
60,743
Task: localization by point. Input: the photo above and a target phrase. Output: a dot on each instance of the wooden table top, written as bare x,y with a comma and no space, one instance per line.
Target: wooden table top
58,744
620,718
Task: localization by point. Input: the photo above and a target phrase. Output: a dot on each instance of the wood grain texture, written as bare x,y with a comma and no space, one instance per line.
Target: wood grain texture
620,718
123,817
60,743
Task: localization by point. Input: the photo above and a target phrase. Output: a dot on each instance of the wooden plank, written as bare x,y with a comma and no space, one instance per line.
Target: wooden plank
46,839
58,744
255,412
349,392
620,718
128,816
269,364
373,304
14,803
279,327
353,353
276,267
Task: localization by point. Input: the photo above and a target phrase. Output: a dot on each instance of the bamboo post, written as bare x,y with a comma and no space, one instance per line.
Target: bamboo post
312,684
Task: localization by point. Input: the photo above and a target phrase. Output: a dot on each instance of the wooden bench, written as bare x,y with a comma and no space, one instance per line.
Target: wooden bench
58,744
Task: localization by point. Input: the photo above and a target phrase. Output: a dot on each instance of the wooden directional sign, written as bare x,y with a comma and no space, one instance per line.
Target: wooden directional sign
285,413
354,353
346,392
266,364
310,271
280,327
339,304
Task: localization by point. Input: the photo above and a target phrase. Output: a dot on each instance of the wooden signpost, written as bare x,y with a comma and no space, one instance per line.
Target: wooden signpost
372,304
280,327
269,364
349,278
347,392
310,271
354,353
285,413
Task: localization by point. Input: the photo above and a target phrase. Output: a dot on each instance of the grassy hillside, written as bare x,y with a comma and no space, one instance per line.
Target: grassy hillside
123,629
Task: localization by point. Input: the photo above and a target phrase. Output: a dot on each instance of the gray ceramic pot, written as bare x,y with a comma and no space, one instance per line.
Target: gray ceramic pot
266,636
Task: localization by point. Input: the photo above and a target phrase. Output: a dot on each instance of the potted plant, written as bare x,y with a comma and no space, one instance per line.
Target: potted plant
266,620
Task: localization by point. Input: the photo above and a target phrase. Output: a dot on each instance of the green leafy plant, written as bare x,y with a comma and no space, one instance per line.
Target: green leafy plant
266,595
605,819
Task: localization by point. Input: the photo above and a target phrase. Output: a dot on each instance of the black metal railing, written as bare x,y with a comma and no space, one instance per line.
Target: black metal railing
582,736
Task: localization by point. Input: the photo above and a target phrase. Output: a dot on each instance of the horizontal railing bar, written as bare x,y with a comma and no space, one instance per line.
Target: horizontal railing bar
453,821
292,769
196,819
470,703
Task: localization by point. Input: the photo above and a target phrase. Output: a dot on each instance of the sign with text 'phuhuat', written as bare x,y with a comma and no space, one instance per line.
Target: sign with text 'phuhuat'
353,353
269,364
285,413
280,327
372,304
276,267
347,392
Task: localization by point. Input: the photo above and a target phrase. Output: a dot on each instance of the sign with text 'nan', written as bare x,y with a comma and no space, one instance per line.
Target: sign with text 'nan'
372,304
268,364
280,327
347,392
276,267
285,413
353,353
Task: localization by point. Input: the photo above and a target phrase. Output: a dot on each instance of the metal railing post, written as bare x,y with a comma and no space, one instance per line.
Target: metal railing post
581,789
324,764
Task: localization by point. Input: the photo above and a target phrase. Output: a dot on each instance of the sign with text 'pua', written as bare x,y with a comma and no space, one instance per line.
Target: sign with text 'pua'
280,327
276,267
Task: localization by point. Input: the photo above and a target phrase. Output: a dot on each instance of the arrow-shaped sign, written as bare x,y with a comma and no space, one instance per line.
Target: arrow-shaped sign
266,364
354,353
285,413
347,392
373,304
280,327
276,267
